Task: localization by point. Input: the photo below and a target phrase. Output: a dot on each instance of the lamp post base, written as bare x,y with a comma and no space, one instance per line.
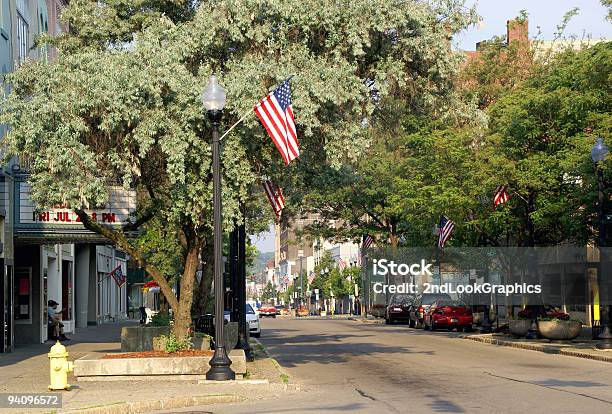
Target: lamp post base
486,321
220,366
606,339
532,333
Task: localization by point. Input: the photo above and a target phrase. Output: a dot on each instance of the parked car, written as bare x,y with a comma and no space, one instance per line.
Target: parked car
449,314
279,309
253,321
398,308
421,305
267,310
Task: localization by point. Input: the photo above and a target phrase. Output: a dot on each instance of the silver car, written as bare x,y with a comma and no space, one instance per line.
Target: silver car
253,321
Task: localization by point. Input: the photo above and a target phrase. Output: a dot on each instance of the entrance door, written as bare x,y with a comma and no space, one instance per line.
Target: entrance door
4,313
67,290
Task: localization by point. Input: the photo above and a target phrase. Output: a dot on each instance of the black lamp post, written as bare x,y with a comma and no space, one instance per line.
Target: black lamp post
213,98
598,155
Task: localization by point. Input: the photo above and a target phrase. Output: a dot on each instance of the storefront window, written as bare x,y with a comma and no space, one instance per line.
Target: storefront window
23,295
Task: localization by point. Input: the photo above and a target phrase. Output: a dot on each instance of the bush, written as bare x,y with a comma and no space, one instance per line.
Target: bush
161,319
174,344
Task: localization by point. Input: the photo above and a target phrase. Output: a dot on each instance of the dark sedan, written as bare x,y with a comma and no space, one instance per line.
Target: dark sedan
449,314
398,308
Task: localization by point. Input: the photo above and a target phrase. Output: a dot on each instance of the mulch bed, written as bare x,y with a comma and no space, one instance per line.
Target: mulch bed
159,354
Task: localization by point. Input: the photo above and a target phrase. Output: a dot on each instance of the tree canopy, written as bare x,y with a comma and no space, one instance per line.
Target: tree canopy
121,103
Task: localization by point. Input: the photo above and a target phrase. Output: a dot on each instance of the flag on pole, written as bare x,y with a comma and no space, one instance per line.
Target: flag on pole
286,280
446,228
501,195
311,277
275,197
341,264
367,241
118,275
276,114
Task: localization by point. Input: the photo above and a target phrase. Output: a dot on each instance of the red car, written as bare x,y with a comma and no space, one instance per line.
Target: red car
267,310
449,314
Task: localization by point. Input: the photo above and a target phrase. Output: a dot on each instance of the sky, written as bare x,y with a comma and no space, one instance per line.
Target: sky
264,241
547,14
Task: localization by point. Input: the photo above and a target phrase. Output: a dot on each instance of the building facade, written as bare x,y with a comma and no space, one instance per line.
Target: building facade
47,254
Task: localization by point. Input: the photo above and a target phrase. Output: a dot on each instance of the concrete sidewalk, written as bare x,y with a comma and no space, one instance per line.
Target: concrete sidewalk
26,370
580,348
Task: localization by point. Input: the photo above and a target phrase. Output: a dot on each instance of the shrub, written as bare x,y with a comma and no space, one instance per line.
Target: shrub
174,344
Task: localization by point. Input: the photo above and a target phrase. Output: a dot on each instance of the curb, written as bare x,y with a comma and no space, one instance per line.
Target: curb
540,348
278,367
362,320
138,407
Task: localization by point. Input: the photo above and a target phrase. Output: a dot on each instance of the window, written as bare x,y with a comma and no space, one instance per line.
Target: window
23,295
22,38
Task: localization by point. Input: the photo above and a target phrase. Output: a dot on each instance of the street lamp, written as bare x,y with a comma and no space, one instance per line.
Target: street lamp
213,99
598,155
300,256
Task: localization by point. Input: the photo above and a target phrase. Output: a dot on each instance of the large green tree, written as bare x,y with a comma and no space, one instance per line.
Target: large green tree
121,103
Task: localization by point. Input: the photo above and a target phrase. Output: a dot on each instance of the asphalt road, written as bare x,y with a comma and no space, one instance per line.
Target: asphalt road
348,366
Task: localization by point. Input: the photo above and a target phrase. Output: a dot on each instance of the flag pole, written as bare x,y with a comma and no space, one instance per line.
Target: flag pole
239,121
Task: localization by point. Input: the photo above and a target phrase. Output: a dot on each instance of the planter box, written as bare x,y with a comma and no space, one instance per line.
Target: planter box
560,330
519,327
140,338
92,367
201,343
159,343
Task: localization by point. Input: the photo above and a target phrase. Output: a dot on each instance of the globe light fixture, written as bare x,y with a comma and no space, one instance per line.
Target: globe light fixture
599,151
213,97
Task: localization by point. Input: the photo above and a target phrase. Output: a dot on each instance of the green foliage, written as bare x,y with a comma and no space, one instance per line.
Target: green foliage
173,344
160,319
268,293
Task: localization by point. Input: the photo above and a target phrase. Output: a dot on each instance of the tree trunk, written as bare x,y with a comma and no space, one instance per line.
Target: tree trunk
204,297
182,316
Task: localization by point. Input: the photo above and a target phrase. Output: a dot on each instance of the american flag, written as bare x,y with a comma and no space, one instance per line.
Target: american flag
501,195
367,241
341,264
445,228
275,196
311,277
286,280
276,114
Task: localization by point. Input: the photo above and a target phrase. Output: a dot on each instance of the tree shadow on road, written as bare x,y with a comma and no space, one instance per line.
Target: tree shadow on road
327,348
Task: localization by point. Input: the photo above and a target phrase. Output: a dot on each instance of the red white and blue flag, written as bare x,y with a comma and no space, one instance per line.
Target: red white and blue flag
367,241
445,229
501,195
276,114
341,264
118,275
275,197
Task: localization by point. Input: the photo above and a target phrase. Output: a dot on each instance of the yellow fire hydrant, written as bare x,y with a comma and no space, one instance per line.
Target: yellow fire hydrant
60,367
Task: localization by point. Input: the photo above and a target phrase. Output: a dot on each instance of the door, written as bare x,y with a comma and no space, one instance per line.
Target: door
7,304
4,314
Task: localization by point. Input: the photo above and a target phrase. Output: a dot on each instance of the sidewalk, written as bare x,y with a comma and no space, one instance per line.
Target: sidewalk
26,370
583,347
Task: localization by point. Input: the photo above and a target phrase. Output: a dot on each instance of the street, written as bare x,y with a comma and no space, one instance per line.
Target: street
349,366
